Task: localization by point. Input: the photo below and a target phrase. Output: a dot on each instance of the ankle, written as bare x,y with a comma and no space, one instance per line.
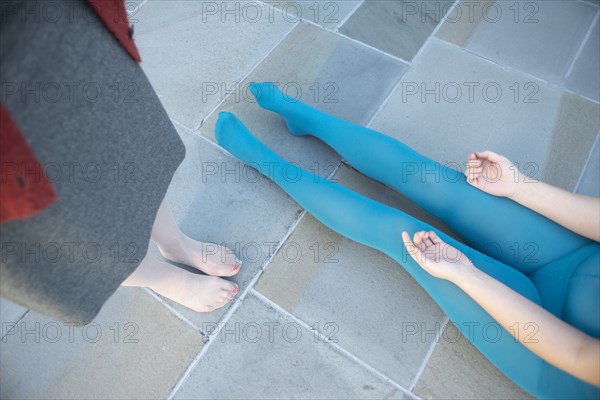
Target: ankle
152,273
166,276
174,243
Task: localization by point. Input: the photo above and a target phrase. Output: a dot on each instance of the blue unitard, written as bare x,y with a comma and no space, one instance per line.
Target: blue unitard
543,261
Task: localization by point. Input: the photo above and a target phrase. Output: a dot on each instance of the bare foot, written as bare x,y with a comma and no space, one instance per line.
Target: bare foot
200,293
175,246
209,258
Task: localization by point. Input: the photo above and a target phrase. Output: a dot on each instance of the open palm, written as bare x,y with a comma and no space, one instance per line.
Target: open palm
492,173
436,256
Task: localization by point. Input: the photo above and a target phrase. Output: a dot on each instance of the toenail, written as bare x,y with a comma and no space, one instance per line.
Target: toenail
235,289
236,267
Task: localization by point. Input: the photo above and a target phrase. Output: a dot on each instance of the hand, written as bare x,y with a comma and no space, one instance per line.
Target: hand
493,173
435,256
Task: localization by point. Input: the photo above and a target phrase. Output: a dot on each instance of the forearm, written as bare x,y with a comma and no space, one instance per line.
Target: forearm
578,213
554,341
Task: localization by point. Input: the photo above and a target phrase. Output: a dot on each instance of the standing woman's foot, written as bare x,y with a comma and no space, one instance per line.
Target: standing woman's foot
209,258
200,293
299,117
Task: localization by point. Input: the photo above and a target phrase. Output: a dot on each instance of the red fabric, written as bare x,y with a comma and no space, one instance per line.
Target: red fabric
114,16
24,188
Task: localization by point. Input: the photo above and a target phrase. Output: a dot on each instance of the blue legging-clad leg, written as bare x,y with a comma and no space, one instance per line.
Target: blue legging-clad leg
379,226
496,226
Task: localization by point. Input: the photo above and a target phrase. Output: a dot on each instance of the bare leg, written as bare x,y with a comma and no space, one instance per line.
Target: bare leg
174,245
200,293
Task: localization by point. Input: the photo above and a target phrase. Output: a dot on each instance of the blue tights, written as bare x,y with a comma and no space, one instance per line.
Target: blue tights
550,265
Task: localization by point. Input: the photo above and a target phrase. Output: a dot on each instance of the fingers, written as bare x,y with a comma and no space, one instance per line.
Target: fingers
435,238
410,246
424,247
428,241
474,164
474,168
423,240
488,155
418,237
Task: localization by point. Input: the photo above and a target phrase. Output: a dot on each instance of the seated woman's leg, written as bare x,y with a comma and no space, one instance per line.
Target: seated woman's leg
379,226
496,226
348,213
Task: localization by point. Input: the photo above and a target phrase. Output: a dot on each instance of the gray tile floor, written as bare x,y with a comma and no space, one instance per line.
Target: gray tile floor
320,316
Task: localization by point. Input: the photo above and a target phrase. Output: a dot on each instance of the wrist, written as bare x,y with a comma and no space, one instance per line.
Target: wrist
527,190
518,188
466,273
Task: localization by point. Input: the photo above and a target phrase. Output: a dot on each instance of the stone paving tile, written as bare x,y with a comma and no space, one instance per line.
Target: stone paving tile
457,27
367,299
590,177
133,7
190,47
571,140
9,313
326,13
332,73
584,79
216,199
540,37
451,103
457,370
135,348
263,355
397,27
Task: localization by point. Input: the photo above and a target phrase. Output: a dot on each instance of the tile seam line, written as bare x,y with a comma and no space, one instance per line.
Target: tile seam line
268,302
368,46
25,313
432,347
262,268
337,33
513,70
137,10
173,311
350,14
590,3
221,150
238,301
295,224
224,320
244,77
587,161
230,312
581,46
432,37
395,88
197,134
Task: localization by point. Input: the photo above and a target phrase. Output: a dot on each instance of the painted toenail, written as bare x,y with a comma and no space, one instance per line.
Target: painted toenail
236,267
235,289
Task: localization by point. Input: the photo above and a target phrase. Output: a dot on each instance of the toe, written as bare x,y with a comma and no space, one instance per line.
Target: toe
226,299
232,288
236,268
220,302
